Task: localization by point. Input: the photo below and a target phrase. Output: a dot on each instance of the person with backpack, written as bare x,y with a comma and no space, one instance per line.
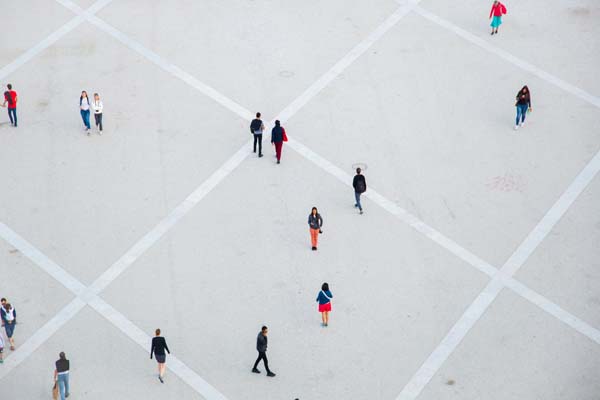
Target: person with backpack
84,110
98,107
324,300
315,222
10,100
278,136
523,105
360,186
497,11
257,128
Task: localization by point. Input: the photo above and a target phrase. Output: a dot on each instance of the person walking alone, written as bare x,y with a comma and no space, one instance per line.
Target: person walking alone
261,346
278,136
315,222
9,317
523,105
84,110
324,300
10,100
61,375
496,13
98,107
359,184
257,128
159,345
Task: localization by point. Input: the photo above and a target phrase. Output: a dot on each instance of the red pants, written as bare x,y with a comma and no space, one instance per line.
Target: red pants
314,237
278,147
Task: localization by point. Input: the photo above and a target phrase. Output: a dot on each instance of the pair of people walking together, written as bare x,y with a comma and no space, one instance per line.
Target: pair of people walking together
85,107
278,136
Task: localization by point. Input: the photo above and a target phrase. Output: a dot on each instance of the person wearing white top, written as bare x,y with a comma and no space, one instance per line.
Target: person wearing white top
97,105
84,109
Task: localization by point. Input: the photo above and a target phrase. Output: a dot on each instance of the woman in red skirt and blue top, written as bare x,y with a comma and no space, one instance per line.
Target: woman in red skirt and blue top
324,299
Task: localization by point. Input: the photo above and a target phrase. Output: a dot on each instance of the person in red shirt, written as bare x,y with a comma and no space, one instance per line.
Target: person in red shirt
497,11
10,99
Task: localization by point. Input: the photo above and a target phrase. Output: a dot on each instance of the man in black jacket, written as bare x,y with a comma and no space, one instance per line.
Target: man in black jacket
261,346
360,186
257,128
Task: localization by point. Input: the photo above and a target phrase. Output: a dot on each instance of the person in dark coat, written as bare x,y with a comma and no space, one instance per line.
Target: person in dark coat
159,345
359,184
277,135
523,105
257,128
261,347
315,222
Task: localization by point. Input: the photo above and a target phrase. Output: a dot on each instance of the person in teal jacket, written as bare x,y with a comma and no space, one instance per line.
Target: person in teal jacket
324,300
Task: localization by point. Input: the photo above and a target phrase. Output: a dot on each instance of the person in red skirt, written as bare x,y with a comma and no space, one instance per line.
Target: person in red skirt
324,299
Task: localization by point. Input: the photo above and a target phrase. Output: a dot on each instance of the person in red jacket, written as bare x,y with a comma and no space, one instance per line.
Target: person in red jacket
497,11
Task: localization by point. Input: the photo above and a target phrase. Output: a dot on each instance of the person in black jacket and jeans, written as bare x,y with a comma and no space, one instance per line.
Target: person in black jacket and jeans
257,128
277,135
360,186
261,346
159,345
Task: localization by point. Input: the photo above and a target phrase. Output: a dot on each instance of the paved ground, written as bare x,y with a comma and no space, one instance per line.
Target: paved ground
473,273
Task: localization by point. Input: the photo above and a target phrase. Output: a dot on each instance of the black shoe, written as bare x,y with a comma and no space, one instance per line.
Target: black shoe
278,162
492,33
260,155
313,248
161,379
270,374
256,370
254,151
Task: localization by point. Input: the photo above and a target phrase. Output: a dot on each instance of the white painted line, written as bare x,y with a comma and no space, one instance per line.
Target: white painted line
24,350
567,87
396,210
170,220
47,265
505,277
184,372
52,38
345,61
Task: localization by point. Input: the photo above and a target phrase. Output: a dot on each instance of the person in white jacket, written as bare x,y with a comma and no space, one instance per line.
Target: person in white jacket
97,106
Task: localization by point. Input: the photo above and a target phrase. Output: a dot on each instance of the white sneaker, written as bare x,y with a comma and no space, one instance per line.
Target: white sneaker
522,123
516,127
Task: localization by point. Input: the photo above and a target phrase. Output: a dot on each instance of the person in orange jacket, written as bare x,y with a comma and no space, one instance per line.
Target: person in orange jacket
497,11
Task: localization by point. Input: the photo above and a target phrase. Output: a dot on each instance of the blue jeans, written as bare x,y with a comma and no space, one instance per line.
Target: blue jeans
10,329
357,198
63,385
85,116
521,111
12,114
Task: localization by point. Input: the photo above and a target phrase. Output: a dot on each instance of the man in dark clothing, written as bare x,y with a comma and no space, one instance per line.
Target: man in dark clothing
360,186
277,134
261,346
257,128
10,99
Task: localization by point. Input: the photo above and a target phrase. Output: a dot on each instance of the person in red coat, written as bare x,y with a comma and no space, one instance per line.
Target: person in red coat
497,11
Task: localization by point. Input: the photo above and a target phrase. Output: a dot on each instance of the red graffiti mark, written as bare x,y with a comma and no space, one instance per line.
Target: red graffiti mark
507,183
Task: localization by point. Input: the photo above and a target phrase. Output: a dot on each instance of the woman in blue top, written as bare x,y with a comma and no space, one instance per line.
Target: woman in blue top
324,299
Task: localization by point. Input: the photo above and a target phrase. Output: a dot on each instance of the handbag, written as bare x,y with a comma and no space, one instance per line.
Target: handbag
55,391
285,138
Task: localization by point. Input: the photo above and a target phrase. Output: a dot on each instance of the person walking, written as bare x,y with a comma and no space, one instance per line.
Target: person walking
359,184
2,303
159,345
61,375
324,300
496,13
10,100
261,346
84,110
278,136
98,107
315,222
9,317
257,127
523,105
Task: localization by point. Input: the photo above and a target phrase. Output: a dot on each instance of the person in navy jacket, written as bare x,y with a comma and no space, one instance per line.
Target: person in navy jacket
324,300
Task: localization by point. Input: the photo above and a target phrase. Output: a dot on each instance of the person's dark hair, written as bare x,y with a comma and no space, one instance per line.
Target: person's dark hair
3,299
314,209
86,97
358,170
9,86
7,306
524,88
277,123
257,115
325,287
264,328
62,355
157,331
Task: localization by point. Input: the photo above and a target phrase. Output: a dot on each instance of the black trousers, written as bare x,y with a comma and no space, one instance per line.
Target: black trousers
98,118
258,139
262,355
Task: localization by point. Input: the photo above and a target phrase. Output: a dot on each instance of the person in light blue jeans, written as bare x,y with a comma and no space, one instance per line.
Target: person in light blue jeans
84,110
61,375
